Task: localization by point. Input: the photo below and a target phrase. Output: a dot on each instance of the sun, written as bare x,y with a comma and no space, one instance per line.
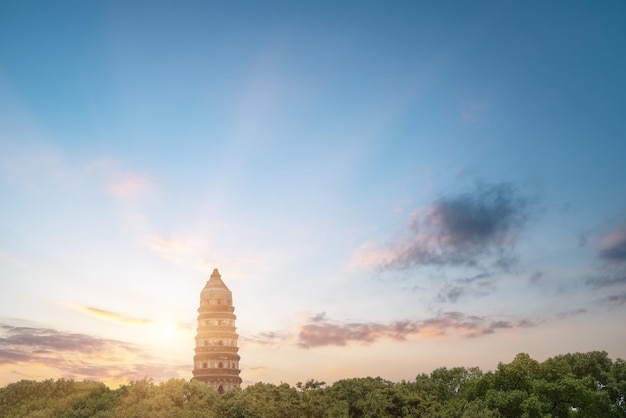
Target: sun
167,330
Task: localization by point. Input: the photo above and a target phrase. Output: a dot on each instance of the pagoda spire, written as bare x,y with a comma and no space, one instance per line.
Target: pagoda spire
216,281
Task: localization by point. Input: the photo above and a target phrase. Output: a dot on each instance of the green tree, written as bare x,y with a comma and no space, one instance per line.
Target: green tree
356,392
233,404
518,374
616,388
314,400
49,398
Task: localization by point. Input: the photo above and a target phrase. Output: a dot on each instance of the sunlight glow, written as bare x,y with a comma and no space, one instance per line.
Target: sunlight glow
167,330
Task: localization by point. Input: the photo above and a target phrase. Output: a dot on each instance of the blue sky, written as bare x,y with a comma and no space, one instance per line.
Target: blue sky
437,183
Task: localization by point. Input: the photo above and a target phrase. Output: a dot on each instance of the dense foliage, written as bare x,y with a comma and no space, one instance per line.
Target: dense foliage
580,384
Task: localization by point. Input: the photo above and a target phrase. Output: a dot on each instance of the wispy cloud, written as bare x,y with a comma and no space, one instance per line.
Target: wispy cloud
478,285
610,282
614,246
616,299
473,113
318,333
177,249
79,356
128,184
367,255
120,318
604,281
36,171
573,312
265,338
112,316
44,169
257,368
478,228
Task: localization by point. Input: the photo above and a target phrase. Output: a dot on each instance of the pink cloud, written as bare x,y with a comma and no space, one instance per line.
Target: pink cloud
177,249
130,184
368,256
265,338
614,245
318,333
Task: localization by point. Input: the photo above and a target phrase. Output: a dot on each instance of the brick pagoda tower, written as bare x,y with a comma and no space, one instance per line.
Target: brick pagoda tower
216,362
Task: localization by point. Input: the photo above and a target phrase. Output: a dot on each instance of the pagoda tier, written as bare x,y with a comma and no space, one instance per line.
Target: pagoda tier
216,361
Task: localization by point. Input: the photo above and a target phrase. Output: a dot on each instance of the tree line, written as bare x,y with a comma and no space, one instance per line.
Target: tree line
570,385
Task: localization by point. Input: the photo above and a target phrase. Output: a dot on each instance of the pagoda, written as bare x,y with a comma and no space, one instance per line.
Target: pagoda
216,361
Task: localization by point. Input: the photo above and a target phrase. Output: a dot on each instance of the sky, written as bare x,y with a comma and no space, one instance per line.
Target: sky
385,187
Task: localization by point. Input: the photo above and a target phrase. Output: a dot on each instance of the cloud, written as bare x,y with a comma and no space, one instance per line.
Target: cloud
617,299
473,113
369,256
611,250
177,249
33,340
478,285
326,332
116,180
112,316
474,229
257,368
52,168
35,349
573,312
19,343
536,277
614,246
319,317
128,184
36,171
604,281
163,325
265,338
